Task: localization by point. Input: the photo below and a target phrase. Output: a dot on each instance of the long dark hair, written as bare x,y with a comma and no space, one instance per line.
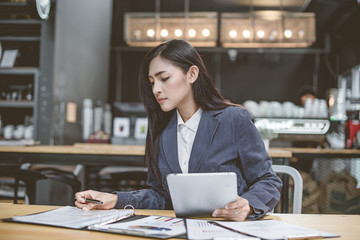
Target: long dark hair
181,54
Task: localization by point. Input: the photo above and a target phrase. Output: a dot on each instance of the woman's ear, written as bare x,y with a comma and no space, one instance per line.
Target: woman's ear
193,73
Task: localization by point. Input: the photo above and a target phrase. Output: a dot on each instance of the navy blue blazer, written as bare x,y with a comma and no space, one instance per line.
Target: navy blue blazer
226,141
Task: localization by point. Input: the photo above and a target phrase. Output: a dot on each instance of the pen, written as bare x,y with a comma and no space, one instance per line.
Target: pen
94,201
231,229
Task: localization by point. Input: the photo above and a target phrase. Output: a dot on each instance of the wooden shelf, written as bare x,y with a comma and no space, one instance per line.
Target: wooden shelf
240,50
12,4
16,104
21,21
19,71
20,39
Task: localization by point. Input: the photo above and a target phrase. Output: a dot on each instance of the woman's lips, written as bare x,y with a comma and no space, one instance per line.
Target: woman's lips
161,100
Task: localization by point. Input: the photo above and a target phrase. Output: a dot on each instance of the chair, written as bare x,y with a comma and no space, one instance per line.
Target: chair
298,184
30,179
122,178
130,180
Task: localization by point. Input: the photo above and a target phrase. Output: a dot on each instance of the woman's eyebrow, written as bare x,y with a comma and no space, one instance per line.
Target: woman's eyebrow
157,74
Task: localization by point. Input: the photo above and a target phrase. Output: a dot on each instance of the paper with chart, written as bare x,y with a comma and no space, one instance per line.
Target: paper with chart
203,229
72,217
273,229
152,226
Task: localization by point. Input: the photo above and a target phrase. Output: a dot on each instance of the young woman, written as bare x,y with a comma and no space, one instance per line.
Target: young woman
191,129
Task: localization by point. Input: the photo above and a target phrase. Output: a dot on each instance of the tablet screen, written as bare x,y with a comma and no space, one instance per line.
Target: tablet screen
199,194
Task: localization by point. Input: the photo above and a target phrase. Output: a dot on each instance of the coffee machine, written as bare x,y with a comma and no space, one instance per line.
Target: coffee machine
352,127
344,108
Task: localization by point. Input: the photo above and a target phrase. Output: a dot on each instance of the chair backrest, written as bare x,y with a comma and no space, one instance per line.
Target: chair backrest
30,177
298,184
58,188
129,180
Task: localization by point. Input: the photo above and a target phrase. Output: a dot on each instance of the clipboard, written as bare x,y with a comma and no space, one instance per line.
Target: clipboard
75,218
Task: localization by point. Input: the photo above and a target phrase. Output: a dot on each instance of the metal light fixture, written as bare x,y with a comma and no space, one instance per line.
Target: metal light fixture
265,29
150,29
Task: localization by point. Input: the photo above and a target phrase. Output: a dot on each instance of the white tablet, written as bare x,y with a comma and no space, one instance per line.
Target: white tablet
199,194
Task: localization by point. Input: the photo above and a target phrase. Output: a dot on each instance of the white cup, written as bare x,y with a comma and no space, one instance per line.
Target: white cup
28,132
252,106
8,131
18,132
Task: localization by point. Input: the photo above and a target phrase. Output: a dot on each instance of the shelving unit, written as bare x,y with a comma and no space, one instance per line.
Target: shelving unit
33,74
19,29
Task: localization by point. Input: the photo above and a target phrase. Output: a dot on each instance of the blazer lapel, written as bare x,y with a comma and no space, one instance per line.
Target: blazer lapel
204,135
169,142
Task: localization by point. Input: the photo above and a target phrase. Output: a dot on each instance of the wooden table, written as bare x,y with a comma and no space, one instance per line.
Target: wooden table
88,154
132,155
321,153
94,156
345,225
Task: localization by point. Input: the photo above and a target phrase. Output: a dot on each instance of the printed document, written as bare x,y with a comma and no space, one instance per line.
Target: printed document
152,226
203,230
274,229
72,217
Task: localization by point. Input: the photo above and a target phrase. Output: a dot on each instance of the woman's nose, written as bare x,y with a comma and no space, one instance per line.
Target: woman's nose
156,87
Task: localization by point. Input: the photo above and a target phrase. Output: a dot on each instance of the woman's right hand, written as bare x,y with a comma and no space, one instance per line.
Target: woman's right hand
109,200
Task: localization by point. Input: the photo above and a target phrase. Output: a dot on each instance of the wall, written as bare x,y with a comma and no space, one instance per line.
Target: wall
81,60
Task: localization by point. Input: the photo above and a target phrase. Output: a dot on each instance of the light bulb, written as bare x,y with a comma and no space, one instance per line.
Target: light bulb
246,33
137,34
273,35
178,33
233,34
150,32
288,33
301,34
260,33
206,32
192,33
164,33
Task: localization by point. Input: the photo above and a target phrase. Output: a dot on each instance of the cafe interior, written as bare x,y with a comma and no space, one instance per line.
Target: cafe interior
71,117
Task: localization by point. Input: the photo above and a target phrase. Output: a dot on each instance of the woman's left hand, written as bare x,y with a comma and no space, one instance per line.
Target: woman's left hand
234,211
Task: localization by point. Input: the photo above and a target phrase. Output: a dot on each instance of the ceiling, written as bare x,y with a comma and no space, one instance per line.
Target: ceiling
288,5
336,16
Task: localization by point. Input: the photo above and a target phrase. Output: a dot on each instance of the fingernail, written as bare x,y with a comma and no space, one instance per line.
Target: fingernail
215,213
85,209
